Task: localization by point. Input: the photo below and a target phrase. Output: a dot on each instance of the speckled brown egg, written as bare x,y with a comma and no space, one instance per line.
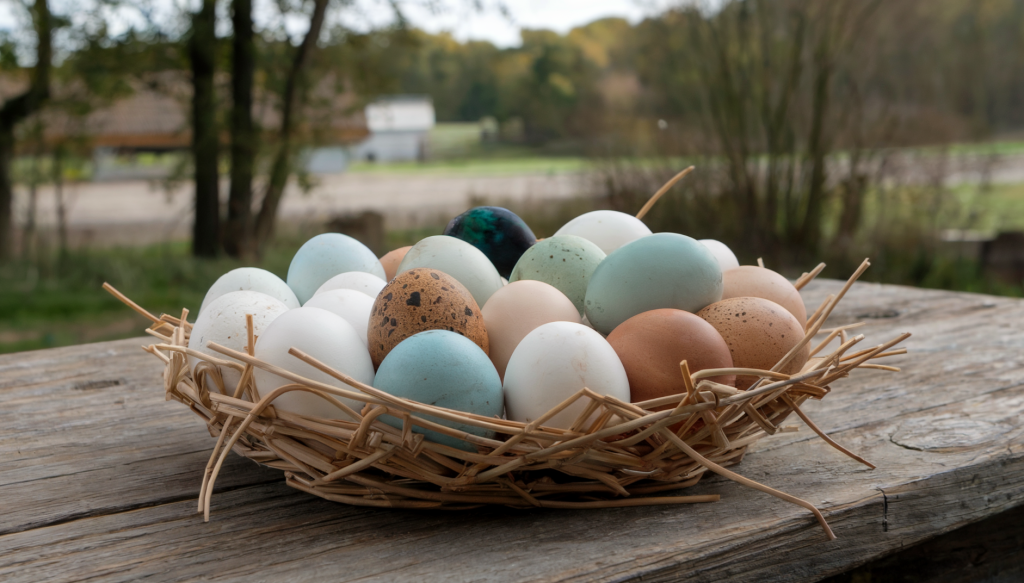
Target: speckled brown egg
652,344
751,281
759,333
422,299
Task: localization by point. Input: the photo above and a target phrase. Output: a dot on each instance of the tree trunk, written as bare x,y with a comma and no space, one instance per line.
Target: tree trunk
281,168
238,229
202,54
18,108
58,191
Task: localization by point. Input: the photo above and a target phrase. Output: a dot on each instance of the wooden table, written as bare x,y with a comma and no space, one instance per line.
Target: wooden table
99,477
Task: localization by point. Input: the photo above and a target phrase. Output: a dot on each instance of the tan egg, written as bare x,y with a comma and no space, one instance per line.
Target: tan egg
391,261
759,333
751,281
652,344
516,309
422,299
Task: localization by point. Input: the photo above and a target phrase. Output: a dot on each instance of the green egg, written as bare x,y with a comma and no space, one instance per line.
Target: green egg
564,262
664,270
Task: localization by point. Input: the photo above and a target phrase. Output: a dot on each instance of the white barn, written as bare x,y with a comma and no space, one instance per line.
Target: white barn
398,128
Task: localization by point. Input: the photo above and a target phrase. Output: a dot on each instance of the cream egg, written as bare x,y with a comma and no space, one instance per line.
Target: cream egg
609,230
552,363
326,337
517,309
251,279
726,258
353,306
223,322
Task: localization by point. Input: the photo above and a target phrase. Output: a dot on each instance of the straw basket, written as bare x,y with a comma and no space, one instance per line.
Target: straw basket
615,454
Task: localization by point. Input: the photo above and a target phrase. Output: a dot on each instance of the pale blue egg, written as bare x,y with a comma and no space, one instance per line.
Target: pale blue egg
325,256
442,368
665,270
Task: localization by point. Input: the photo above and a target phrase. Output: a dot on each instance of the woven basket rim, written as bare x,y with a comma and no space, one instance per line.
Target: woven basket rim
613,455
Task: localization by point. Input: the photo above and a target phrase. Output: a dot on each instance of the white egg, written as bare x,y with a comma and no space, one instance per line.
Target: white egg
223,322
609,230
353,306
726,258
359,281
467,264
325,256
553,362
326,337
251,279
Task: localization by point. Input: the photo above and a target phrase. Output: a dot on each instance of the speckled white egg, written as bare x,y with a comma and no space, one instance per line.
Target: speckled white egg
326,337
223,322
359,281
353,306
325,256
609,230
726,258
464,262
553,362
251,279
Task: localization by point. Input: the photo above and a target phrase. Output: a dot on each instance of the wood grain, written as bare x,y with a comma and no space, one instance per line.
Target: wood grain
97,482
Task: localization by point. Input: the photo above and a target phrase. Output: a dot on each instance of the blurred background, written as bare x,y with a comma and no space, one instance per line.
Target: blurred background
156,144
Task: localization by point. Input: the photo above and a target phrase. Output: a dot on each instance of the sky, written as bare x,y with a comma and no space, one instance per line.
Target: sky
459,17
466,23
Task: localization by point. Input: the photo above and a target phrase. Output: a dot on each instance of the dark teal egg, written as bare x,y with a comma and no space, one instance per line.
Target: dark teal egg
498,232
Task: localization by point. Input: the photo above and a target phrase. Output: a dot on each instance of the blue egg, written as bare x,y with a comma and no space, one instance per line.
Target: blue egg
442,368
665,270
325,256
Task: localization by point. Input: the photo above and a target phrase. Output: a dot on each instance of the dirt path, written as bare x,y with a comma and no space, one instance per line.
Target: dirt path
137,212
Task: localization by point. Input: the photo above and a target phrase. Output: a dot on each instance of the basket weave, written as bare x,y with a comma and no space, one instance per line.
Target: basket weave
615,454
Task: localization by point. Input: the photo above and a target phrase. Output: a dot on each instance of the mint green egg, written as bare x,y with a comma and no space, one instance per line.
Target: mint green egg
564,262
664,270
442,368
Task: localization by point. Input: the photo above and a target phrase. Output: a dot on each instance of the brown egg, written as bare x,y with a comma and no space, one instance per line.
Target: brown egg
422,299
759,333
652,344
391,260
751,281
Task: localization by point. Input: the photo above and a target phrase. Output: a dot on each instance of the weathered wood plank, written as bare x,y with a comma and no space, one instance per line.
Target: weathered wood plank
945,435
85,431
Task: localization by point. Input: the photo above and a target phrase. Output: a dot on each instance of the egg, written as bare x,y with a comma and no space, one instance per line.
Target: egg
418,300
325,256
359,281
726,258
651,345
564,261
353,306
552,363
251,279
442,368
391,260
609,230
223,322
759,333
516,309
666,270
498,232
757,282
326,337
467,264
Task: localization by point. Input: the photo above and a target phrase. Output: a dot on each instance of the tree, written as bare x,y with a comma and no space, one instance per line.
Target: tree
283,159
238,228
202,50
18,108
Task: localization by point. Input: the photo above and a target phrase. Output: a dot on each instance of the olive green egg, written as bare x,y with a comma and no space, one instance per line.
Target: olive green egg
564,262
